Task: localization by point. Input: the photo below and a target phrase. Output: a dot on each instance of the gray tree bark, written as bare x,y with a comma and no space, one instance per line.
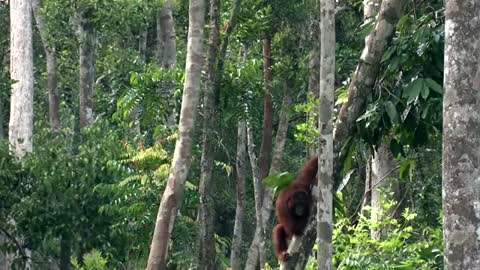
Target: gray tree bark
173,194
325,128
371,8
267,201
20,127
87,38
235,256
206,256
365,76
53,98
257,186
166,43
461,136
384,186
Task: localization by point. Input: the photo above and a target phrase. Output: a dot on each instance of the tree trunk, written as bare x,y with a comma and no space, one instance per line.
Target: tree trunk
370,8
266,146
314,68
384,181
267,202
461,136
235,257
257,186
172,196
166,43
87,38
142,43
53,99
21,73
325,130
364,77
206,254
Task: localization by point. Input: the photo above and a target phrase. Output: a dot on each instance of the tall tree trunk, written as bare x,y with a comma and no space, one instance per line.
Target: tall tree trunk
173,194
20,128
383,183
235,257
325,130
314,68
206,254
364,78
87,38
267,202
461,136
257,186
142,42
166,43
53,99
266,146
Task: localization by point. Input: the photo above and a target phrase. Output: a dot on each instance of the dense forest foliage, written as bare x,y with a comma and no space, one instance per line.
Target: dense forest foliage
108,80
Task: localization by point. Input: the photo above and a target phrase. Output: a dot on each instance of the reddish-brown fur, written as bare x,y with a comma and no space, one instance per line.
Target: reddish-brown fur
290,224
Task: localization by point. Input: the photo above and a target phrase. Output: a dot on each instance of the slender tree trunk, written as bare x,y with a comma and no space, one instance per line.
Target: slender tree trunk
314,68
167,46
235,257
365,77
267,202
461,136
325,124
257,186
142,42
266,146
172,196
384,182
206,254
53,98
20,128
87,38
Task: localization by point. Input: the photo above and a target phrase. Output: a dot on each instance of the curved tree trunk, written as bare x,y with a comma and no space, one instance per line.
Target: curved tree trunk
173,194
461,136
235,256
364,78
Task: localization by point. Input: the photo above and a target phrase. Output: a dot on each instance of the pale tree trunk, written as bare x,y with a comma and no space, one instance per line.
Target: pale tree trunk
142,42
87,38
370,8
53,99
384,181
325,130
173,194
267,201
166,43
206,256
235,257
20,128
461,136
257,187
365,76
265,147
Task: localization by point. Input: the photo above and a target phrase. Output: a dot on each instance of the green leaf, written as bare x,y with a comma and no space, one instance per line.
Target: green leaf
392,112
434,85
412,91
279,180
425,91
